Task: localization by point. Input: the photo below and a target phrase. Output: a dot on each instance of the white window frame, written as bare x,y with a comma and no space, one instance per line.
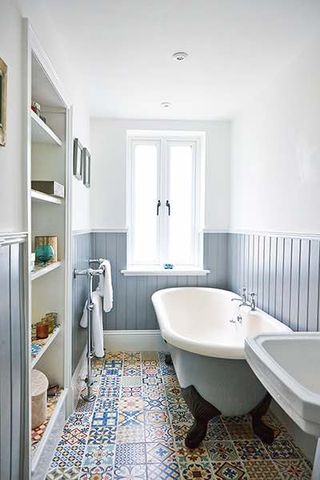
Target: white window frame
163,139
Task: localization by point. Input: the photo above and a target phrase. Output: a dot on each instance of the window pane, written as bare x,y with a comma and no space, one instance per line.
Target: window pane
145,197
181,197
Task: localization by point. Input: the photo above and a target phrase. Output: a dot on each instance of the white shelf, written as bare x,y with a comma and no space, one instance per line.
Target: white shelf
52,336
52,433
40,271
41,133
44,197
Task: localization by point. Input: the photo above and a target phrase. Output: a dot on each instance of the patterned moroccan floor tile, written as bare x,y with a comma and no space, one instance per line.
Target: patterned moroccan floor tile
71,473
130,454
251,450
129,404
222,451
230,471
150,356
294,469
130,472
96,473
137,425
163,471
156,417
131,381
283,449
131,418
158,452
262,470
99,456
130,434
197,470
216,431
101,435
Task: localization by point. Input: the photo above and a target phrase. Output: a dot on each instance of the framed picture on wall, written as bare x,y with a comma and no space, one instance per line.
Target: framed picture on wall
86,168
77,159
3,102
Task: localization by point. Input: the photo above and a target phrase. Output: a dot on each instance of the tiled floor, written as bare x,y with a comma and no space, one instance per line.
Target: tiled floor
136,428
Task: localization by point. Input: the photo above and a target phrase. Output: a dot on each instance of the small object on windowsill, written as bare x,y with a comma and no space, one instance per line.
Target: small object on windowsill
43,119
168,266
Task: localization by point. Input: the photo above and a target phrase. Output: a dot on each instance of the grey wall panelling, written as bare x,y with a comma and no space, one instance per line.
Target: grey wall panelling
132,305
80,256
283,271
13,364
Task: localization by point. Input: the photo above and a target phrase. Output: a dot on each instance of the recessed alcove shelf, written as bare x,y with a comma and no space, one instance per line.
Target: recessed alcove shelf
45,344
41,133
44,197
40,271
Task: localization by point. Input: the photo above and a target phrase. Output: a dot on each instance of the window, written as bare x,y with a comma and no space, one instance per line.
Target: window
164,200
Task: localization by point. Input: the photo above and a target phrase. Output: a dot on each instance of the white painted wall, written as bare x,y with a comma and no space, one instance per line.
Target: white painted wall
275,166
12,187
11,166
108,195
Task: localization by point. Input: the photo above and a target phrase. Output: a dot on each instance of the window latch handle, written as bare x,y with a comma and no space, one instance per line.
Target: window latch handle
169,207
158,207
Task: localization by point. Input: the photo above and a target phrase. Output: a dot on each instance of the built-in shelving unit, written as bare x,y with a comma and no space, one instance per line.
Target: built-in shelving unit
44,345
48,159
41,133
40,271
44,197
56,407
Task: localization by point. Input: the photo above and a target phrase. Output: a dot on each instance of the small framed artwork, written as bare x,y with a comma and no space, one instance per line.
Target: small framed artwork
86,168
77,159
3,102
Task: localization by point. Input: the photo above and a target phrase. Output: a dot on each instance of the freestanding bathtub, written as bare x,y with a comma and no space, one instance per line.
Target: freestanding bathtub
205,332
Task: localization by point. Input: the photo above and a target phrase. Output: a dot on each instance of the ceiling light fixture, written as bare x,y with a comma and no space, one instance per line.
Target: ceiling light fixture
179,56
166,104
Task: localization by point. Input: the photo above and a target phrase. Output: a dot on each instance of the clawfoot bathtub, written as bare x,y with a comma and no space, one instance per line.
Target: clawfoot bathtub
205,333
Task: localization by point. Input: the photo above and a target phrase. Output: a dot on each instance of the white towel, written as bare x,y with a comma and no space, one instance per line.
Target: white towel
97,324
105,289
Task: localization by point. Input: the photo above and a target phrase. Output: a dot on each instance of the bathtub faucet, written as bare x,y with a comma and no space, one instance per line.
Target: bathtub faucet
244,299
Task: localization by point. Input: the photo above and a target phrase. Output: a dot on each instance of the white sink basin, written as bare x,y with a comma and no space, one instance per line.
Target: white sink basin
288,365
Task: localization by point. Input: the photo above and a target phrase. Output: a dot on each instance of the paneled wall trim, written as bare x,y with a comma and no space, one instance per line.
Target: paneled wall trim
284,271
13,358
133,309
282,268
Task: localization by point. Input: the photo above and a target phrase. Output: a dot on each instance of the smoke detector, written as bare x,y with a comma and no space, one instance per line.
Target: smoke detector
179,56
165,104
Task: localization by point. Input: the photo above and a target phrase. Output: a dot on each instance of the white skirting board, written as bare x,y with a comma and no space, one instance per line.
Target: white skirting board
134,341
77,382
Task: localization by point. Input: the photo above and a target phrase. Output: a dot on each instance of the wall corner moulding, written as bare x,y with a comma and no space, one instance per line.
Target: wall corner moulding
3,101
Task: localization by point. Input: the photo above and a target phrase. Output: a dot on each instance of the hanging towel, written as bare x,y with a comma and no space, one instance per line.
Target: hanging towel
97,324
105,289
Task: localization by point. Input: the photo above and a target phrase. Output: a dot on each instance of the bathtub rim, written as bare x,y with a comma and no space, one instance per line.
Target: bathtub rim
188,344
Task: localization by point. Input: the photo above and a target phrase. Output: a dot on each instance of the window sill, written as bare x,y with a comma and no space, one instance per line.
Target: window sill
180,271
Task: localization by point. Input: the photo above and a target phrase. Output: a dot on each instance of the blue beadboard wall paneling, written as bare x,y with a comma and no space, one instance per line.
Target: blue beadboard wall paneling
283,271
81,244
13,375
133,309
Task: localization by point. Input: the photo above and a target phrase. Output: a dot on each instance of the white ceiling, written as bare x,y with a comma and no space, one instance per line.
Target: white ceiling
122,51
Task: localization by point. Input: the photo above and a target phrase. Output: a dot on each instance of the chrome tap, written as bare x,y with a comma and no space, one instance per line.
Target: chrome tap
244,299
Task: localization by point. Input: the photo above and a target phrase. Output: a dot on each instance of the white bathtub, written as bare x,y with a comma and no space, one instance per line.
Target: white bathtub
206,343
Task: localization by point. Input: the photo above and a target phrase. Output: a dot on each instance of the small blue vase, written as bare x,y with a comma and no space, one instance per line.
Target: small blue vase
44,253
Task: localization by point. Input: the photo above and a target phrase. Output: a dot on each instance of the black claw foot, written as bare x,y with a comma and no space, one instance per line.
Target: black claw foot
168,359
202,411
196,434
263,431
